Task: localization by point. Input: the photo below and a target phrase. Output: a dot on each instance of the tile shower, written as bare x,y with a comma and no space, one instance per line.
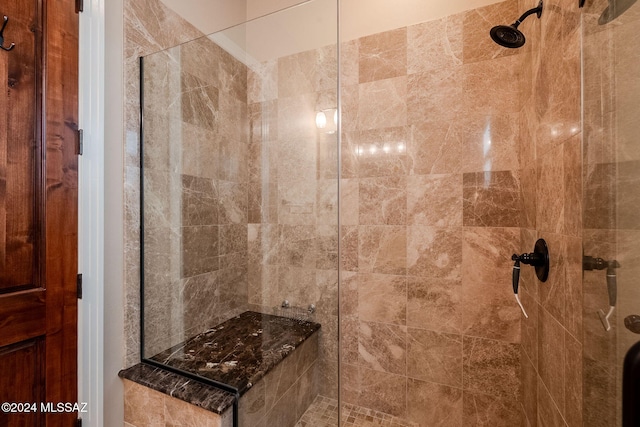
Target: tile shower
454,154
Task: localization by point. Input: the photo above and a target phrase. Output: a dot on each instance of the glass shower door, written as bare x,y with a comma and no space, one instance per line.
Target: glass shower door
611,184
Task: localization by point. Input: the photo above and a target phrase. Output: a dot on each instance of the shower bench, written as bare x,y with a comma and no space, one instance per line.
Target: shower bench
264,365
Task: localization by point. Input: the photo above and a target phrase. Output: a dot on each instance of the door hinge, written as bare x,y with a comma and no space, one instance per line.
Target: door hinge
79,6
79,285
80,146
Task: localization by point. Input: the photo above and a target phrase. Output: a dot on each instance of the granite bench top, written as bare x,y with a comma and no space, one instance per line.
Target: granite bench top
240,351
196,393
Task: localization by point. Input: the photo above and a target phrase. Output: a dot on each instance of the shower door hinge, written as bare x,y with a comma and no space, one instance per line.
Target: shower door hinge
80,145
79,286
79,6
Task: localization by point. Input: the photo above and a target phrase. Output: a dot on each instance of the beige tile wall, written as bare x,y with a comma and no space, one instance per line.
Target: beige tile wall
456,154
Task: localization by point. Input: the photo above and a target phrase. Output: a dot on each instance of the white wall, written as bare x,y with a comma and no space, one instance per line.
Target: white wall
114,214
210,15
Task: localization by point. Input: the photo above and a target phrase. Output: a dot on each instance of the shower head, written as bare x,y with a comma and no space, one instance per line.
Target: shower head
614,10
509,35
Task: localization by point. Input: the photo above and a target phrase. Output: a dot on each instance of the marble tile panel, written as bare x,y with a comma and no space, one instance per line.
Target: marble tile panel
262,81
199,250
529,390
349,285
233,164
199,58
151,26
162,192
574,287
182,414
628,202
350,104
349,201
327,202
296,119
572,168
382,347
284,412
529,327
349,238
326,250
383,391
380,152
232,77
383,103
573,381
199,102
233,239
200,151
136,397
435,44
434,252
486,252
492,199
551,356
298,286
298,246
435,148
199,300
233,198
501,77
157,137
548,413
296,74
528,187
434,304
434,356
491,367
199,201
382,249
435,96
600,194
382,298
263,127
434,200
551,178
477,45
251,408
490,411
490,311
383,55
430,404
327,285
350,63
383,201
349,343
490,142
599,393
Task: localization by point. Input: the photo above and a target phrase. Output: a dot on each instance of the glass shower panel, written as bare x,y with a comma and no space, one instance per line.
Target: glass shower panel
239,206
611,82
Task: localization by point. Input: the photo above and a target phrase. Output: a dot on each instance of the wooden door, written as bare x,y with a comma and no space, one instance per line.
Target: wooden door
38,212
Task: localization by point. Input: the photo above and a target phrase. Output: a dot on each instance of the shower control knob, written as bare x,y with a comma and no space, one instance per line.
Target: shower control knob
632,323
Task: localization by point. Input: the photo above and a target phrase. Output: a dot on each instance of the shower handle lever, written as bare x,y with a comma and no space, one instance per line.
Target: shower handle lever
591,263
516,282
533,259
539,259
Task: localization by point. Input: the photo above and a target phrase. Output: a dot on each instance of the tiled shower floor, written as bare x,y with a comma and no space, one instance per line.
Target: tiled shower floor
323,412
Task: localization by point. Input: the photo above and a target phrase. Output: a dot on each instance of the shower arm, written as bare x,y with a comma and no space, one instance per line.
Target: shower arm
537,10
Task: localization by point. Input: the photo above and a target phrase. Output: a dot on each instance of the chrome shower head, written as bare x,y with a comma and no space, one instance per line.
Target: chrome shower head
509,35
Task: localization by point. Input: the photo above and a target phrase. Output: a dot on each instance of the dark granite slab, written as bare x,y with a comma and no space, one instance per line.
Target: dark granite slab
240,351
205,396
